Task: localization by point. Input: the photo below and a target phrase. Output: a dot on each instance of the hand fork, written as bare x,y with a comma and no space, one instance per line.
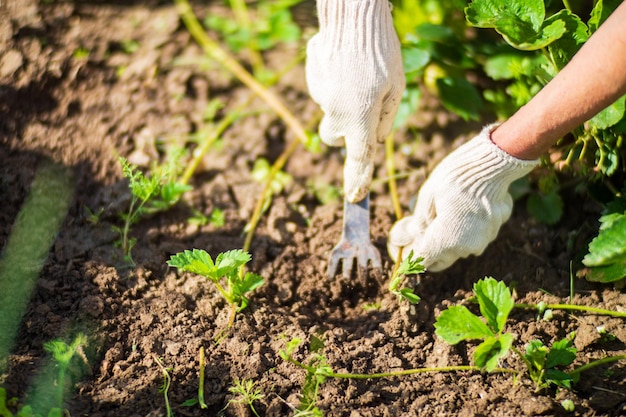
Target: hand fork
355,241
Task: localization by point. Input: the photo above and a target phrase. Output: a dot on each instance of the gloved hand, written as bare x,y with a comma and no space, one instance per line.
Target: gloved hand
354,72
462,205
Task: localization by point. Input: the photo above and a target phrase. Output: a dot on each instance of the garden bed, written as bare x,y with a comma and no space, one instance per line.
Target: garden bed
83,83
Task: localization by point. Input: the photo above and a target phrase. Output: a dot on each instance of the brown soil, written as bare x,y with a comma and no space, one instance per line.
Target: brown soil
84,111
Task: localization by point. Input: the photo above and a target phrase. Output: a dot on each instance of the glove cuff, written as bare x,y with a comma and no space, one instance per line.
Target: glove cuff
360,24
482,168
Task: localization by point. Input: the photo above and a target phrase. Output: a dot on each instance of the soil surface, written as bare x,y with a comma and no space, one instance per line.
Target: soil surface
84,82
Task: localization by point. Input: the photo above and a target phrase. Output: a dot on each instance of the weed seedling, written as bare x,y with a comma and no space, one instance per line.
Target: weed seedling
150,194
246,393
227,268
165,386
542,363
63,354
408,266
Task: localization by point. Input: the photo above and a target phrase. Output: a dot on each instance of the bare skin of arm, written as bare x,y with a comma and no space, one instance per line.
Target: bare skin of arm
591,81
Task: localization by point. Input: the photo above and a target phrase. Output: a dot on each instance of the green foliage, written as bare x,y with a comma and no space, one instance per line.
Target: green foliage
22,410
408,266
607,252
150,194
317,369
458,323
436,53
246,393
261,171
62,353
543,363
227,268
272,24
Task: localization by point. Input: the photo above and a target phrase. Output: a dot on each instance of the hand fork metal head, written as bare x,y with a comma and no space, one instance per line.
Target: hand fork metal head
355,241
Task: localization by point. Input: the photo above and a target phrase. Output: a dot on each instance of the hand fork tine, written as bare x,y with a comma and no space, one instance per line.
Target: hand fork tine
355,241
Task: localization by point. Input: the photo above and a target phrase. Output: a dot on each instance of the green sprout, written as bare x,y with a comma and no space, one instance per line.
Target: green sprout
227,268
246,393
408,266
63,354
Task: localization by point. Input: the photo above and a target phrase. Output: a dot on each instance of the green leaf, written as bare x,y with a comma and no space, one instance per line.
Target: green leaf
576,34
229,262
411,265
610,245
536,353
611,115
547,208
410,296
488,353
601,11
610,273
196,261
520,22
458,323
562,353
414,59
495,301
558,378
460,96
251,282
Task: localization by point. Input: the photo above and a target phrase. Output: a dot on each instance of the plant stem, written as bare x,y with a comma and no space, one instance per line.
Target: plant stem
395,373
571,307
391,172
598,362
258,209
213,49
201,384
167,380
199,153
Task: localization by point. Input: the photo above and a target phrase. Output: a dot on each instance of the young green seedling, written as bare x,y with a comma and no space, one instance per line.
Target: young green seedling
317,370
458,323
408,266
63,354
165,386
227,268
542,363
149,194
246,393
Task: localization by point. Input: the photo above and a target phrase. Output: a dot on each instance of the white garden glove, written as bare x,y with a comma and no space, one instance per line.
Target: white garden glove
354,72
462,205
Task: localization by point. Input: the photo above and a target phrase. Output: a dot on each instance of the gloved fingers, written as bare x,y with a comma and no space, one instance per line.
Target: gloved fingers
404,233
390,105
330,130
359,164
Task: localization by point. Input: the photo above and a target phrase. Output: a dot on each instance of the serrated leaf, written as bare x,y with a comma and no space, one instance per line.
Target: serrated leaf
458,323
251,282
561,353
229,262
196,261
576,34
495,301
488,353
610,245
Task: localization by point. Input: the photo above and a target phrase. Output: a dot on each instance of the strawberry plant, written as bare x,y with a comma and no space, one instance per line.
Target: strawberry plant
226,273
544,365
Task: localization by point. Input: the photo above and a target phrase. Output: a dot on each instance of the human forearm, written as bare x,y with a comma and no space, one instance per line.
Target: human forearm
592,80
